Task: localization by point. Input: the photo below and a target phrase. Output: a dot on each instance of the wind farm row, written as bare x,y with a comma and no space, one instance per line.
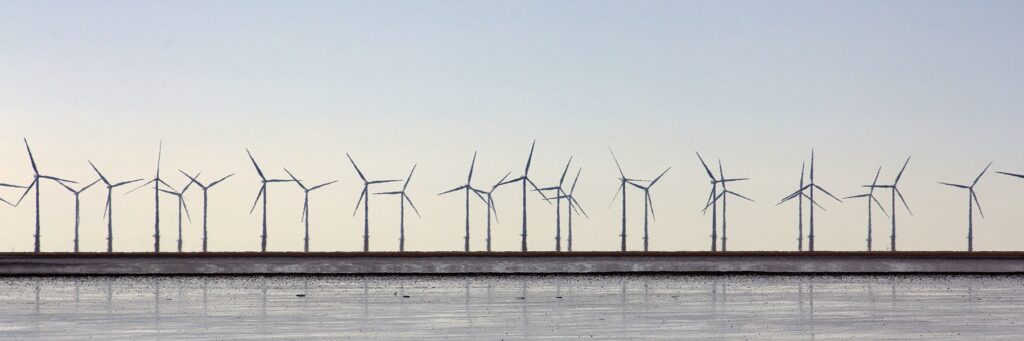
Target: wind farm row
560,194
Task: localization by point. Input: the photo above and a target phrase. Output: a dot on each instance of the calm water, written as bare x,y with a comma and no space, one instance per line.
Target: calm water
517,307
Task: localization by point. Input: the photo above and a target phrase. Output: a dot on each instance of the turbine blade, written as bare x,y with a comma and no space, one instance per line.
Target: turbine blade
954,185
617,165
721,173
618,189
453,190
27,189
258,170
356,167
89,185
258,196
125,182
636,185
980,174
32,159
900,175
98,173
879,172
141,186
879,204
219,181
576,205
857,196
382,181
814,202
712,201
529,159
181,200
1012,174
659,177
826,192
500,182
295,179
159,154
107,206
322,185
72,190
538,190
977,203
407,179
900,194
561,179
710,174
650,203
573,188
480,196
740,195
360,201
493,207
472,165
407,199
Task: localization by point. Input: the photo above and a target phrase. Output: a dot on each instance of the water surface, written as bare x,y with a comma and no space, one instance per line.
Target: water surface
513,307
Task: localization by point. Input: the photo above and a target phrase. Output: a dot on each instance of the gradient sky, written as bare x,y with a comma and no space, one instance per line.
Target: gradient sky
756,84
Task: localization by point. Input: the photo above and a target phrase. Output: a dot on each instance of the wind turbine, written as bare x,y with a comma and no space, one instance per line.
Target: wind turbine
559,193
468,188
574,206
870,195
305,205
262,193
108,210
810,187
181,204
894,188
402,198
157,181
205,188
972,199
623,180
648,202
526,180
76,193
34,185
724,196
366,204
491,207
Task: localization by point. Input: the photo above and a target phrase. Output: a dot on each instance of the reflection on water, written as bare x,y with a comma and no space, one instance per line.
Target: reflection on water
513,307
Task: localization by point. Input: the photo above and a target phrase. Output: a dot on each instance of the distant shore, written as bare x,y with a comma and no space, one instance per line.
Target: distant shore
455,263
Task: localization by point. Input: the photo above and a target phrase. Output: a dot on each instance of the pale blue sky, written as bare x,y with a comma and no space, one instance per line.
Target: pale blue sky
755,83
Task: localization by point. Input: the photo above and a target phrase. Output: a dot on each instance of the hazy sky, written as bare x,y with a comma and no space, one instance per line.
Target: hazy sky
757,84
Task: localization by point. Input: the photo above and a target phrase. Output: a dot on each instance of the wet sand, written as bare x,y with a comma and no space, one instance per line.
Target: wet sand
513,307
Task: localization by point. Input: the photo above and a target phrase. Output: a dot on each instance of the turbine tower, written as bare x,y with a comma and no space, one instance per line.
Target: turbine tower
108,210
623,180
157,181
366,204
972,200
724,196
559,193
895,190
34,185
648,202
810,187
262,193
205,188
181,204
76,193
526,180
305,205
870,196
488,198
403,197
468,187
